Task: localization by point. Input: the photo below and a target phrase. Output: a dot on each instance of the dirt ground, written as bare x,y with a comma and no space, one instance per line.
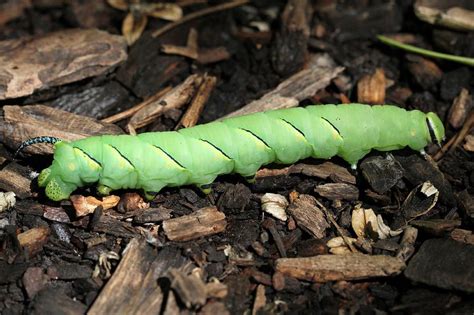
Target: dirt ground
392,236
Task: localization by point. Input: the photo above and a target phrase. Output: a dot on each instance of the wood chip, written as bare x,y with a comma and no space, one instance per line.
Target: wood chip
437,227
309,216
260,299
20,123
424,71
216,289
325,170
29,64
32,241
17,178
324,268
464,236
191,117
133,288
407,244
461,107
317,75
371,88
190,289
469,145
382,173
443,263
213,308
338,191
203,222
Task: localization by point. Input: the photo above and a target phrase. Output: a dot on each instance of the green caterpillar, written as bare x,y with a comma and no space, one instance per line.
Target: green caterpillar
197,155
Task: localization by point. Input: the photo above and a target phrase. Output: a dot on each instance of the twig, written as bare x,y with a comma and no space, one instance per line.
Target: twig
457,139
198,14
129,112
193,113
338,228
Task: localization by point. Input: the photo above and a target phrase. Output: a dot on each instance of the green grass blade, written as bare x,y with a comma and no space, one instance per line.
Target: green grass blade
425,52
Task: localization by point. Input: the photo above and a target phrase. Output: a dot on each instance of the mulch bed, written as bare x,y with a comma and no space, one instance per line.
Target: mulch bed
393,236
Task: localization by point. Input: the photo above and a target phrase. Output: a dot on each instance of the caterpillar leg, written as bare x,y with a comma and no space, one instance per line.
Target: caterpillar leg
205,188
103,190
250,179
149,195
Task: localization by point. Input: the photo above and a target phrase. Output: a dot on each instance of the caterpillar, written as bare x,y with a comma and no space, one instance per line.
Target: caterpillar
197,155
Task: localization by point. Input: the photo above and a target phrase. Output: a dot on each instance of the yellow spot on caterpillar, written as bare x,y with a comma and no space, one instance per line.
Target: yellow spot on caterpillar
71,166
413,133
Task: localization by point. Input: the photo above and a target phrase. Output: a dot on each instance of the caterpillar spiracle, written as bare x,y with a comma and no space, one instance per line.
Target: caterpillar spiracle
197,155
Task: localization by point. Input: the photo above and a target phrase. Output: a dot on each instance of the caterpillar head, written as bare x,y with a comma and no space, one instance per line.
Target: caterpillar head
436,128
62,177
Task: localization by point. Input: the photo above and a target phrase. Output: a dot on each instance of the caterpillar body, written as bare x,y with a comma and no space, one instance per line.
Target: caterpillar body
197,155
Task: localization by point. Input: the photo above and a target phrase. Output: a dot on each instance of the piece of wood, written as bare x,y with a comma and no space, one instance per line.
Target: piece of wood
319,72
20,123
309,216
176,98
325,170
461,107
131,111
270,225
437,227
407,244
133,288
203,222
289,49
190,289
382,173
191,117
338,191
424,71
17,178
443,263
32,241
464,236
29,64
260,299
324,268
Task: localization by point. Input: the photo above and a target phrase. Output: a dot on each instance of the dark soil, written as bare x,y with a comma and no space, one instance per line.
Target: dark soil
58,276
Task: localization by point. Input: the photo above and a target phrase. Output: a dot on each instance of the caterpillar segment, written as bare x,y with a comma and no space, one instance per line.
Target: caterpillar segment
197,155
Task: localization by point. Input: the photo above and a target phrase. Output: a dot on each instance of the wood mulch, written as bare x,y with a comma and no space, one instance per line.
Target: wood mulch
393,236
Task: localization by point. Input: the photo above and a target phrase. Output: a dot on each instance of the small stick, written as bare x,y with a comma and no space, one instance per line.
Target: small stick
191,116
198,14
270,225
129,112
457,139
338,228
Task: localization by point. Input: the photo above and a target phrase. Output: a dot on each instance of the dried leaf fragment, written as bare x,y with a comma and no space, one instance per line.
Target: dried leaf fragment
161,10
7,200
366,224
86,205
133,26
118,4
275,205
